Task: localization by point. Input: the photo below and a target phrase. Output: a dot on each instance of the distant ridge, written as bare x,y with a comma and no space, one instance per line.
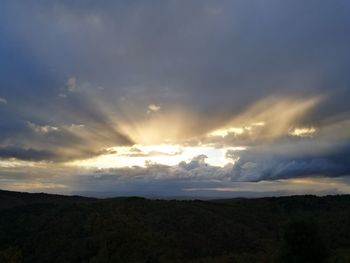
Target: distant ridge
9,199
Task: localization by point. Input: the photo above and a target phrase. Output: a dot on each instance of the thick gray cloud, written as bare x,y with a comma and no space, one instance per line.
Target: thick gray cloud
26,154
272,164
37,155
232,53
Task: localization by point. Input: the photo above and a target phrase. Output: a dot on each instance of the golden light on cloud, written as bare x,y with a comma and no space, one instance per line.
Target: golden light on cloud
175,135
162,138
235,130
303,132
270,118
163,154
153,108
13,163
266,120
225,132
295,185
278,113
171,126
32,186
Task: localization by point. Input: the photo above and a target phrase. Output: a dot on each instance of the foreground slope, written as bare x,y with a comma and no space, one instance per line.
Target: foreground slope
51,228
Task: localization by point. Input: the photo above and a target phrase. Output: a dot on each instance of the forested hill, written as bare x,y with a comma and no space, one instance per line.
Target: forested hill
10,199
53,228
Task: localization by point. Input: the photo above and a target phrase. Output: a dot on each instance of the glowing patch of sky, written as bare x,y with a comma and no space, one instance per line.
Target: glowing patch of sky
160,154
317,185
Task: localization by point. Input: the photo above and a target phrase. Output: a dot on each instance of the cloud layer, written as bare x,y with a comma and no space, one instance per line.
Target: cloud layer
79,79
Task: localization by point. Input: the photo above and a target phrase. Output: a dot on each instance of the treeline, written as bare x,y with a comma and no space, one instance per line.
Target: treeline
286,229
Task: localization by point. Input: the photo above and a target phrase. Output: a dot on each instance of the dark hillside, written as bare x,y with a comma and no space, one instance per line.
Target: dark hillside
45,228
10,199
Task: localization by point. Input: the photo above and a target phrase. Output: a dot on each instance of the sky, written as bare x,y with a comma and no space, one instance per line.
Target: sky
175,98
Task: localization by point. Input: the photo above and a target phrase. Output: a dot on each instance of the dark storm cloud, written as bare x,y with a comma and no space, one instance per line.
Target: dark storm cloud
36,155
272,163
232,53
26,154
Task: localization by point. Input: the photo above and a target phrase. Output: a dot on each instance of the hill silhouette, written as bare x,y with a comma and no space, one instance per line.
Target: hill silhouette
54,228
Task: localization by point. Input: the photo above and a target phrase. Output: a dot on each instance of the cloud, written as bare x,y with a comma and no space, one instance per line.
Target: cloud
303,132
282,187
260,163
264,121
3,100
152,108
134,152
71,85
192,178
230,74
202,181
225,132
42,129
195,163
281,162
194,169
50,155
28,154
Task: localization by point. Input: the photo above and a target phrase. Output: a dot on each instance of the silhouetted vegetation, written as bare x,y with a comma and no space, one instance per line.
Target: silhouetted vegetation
302,243
45,228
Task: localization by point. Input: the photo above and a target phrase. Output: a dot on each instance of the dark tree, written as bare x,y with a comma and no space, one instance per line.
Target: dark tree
11,255
303,243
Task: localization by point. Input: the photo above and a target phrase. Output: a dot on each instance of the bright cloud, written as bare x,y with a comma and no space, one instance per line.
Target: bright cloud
140,155
225,132
153,108
42,129
303,132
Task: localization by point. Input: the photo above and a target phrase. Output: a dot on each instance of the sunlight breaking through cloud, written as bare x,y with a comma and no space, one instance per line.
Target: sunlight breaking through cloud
140,155
179,91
